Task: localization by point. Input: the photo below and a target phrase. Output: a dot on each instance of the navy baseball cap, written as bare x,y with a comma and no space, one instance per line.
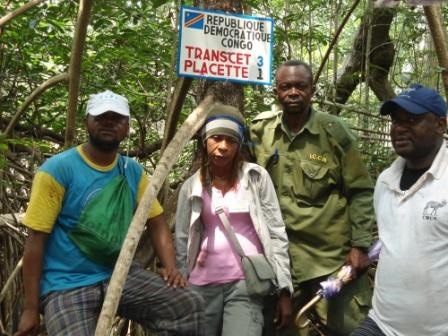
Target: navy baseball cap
418,99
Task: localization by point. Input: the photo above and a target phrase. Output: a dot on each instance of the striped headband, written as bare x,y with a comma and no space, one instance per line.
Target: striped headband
223,125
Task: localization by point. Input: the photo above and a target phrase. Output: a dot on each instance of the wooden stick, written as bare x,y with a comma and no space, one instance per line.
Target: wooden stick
8,17
169,157
10,280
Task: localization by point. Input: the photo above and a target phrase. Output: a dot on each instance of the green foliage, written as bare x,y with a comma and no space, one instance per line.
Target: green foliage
131,49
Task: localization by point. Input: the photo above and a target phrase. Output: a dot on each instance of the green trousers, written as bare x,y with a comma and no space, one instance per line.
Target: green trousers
337,316
230,311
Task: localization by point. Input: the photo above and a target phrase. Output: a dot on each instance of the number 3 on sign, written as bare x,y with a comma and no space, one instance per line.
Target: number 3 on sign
260,69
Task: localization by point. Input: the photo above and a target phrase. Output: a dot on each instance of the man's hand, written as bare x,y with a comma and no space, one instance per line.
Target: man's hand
358,260
29,323
173,277
284,310
162,241
32,268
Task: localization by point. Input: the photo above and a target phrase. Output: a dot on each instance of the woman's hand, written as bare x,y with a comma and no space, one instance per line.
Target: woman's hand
284,310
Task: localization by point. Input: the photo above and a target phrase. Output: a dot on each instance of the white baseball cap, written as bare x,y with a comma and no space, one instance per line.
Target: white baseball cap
107,101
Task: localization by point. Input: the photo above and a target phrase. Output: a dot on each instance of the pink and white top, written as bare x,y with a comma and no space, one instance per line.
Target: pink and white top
218,262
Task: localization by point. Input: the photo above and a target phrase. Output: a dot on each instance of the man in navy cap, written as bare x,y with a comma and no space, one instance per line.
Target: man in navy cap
411,205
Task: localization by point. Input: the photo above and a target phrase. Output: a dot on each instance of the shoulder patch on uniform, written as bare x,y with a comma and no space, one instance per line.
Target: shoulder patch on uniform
266,115
337,128
326,117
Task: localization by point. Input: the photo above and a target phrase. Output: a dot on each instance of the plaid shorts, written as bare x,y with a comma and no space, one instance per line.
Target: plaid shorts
145,299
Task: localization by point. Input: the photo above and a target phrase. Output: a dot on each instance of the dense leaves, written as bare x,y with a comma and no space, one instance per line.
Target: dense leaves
131,48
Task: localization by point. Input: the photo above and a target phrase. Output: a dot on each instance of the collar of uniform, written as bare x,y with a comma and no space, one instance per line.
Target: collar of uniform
311,125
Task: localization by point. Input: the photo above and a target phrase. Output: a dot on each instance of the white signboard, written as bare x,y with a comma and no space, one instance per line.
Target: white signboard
217,45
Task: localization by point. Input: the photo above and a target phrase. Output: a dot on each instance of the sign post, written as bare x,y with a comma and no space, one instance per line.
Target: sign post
217,45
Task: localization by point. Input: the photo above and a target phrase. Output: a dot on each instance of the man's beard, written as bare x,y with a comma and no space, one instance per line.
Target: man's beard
104,146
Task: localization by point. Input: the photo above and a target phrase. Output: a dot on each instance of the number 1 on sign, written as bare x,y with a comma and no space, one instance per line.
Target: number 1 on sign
260,69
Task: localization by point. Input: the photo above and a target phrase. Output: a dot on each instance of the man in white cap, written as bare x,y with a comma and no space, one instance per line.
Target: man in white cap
411,205
61,280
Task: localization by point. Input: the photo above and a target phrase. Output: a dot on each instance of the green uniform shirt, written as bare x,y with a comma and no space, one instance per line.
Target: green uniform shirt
324,189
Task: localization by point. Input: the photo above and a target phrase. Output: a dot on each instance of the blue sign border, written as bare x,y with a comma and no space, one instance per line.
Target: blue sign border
181,24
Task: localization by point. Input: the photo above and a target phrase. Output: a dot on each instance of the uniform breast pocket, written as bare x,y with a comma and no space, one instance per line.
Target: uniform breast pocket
315,179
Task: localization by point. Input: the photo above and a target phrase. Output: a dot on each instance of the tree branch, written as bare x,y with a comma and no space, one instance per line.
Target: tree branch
115,288
8,17
33,96
174,108
439,36
380,59
335,39
85,7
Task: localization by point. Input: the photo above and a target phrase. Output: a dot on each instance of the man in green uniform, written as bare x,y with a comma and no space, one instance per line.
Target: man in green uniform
325,195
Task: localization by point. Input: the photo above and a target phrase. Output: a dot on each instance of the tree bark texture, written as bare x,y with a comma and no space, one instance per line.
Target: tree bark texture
174,108
232,6
85,7
439,36
381,59
224,91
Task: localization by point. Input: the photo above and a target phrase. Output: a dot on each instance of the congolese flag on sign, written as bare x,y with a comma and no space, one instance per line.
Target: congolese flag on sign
194,20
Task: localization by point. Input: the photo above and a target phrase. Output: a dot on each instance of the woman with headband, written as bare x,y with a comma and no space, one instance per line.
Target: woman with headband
206,254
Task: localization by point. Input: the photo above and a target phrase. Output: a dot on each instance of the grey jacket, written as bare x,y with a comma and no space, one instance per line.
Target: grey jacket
264,212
